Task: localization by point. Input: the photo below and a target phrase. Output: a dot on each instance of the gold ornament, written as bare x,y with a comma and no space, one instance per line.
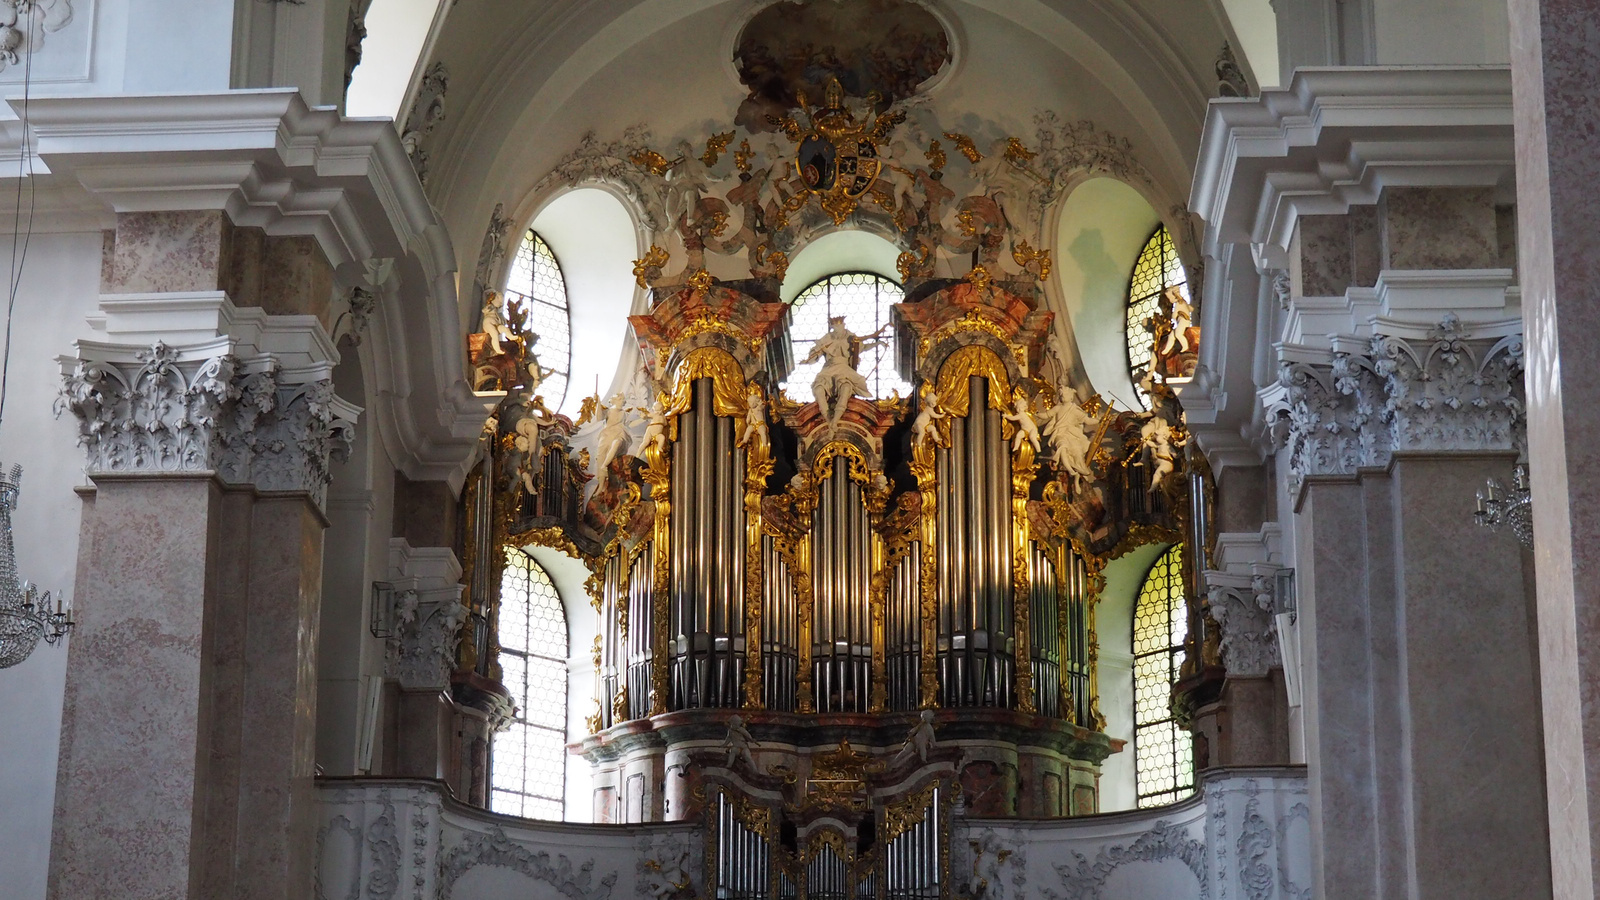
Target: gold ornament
715,147
965,145
654,258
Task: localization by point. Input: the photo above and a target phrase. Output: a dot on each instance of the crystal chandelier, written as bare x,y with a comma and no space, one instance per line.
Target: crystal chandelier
25,614
1514,508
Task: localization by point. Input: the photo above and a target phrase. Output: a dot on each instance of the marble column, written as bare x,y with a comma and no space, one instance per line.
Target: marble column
1421,731
188,735
1555,63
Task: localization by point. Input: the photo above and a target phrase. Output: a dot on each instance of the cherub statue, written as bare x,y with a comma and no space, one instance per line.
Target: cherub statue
755,420
927,413
1067,425
613,435
527,441
494,323
918,742
739,743
669,879
655,429
838,380
1182,321
1156,436
1027,431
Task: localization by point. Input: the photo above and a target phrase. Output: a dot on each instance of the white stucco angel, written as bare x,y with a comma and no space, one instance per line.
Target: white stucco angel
918,742
1067,426
1156,436
928,412
838,380
739,743
613,434
1027,430
527,442
494,323
1182,321
755,420
655,429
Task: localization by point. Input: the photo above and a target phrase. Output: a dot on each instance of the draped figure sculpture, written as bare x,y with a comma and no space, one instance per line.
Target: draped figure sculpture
838,380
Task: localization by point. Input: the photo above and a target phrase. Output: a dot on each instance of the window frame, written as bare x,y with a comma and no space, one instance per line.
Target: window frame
1168,565
520,693
533,239
883,373
1149,302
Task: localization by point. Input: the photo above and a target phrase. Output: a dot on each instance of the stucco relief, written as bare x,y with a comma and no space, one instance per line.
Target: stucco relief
24,23
1446,392
1082,879
496,849
1245,614
422,651
171,410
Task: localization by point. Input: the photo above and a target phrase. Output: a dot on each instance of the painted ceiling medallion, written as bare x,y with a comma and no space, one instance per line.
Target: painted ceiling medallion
878,50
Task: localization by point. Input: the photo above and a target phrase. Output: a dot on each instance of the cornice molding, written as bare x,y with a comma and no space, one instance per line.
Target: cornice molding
271,161
1336,137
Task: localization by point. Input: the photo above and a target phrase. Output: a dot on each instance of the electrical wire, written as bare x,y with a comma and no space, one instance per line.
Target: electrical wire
19,260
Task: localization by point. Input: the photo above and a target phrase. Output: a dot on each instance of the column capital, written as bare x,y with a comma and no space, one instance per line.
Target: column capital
428,615
1243,599
1357,403
244,395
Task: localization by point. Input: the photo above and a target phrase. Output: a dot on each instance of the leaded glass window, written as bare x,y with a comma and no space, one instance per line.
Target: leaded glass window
1157,269
864,299
528,765
536,280
1163,757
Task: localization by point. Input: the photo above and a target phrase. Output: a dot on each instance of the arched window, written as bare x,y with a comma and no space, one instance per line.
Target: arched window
1163,758
1156,269
863,298
528,765
536,280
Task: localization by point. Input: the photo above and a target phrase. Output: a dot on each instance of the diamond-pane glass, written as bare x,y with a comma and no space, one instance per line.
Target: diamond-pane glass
528,768
864,300
536,280
1163,756
1157,269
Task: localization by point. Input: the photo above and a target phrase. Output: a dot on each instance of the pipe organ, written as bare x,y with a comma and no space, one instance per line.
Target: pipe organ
828,626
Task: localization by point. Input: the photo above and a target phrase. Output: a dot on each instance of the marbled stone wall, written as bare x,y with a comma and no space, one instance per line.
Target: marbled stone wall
1439,228
1555,58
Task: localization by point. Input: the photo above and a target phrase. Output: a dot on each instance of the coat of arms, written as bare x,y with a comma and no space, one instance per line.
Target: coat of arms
836,154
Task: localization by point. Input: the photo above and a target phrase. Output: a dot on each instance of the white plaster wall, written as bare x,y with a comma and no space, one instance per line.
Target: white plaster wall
60,285
1103,226
397,33
1256,26
595,241
1436,32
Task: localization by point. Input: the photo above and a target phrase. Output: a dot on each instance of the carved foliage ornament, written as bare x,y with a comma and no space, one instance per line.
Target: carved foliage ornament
889,167
1084,880
422,650
168,413
1449,392
1243,607
495,849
